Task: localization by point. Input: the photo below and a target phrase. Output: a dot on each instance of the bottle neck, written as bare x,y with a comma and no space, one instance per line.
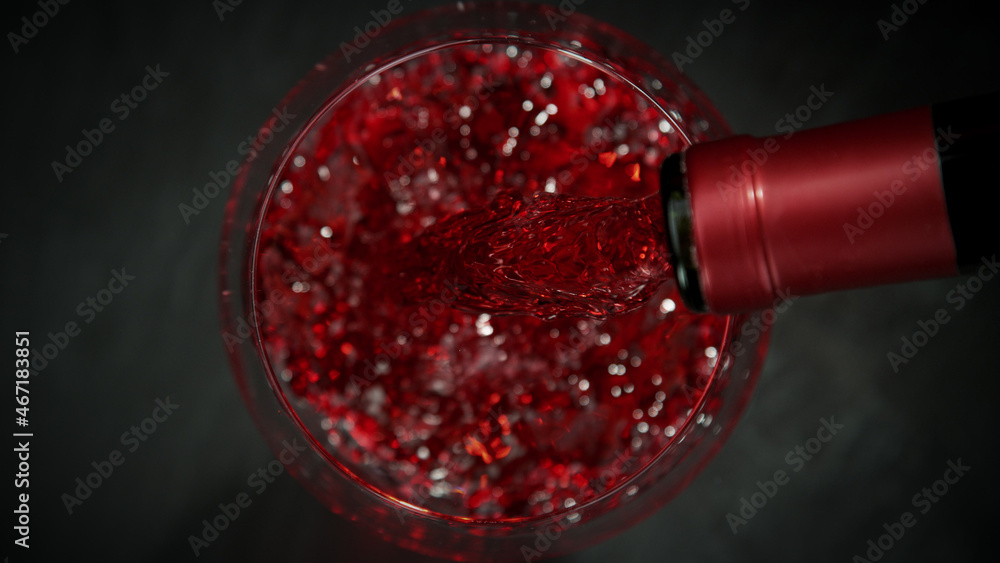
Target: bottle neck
677,211
881,200
969,143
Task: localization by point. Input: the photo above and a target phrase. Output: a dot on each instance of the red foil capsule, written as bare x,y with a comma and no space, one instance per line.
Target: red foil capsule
839,207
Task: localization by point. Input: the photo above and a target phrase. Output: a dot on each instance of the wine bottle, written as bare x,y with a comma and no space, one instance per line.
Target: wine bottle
894,198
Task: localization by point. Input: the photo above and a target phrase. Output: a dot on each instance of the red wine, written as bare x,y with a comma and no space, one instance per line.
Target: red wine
545,255
478,415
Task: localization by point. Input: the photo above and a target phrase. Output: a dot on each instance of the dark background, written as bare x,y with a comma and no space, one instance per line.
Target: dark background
160,336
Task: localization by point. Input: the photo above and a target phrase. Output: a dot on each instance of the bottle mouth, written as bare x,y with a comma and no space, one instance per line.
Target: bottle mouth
677,211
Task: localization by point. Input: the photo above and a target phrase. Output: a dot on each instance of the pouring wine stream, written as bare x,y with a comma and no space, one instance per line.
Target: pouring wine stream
545,255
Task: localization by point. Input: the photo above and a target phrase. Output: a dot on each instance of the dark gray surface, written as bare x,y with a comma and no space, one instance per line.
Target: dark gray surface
159,337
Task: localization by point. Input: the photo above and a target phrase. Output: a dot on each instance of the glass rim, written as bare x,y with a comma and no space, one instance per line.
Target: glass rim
390,60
